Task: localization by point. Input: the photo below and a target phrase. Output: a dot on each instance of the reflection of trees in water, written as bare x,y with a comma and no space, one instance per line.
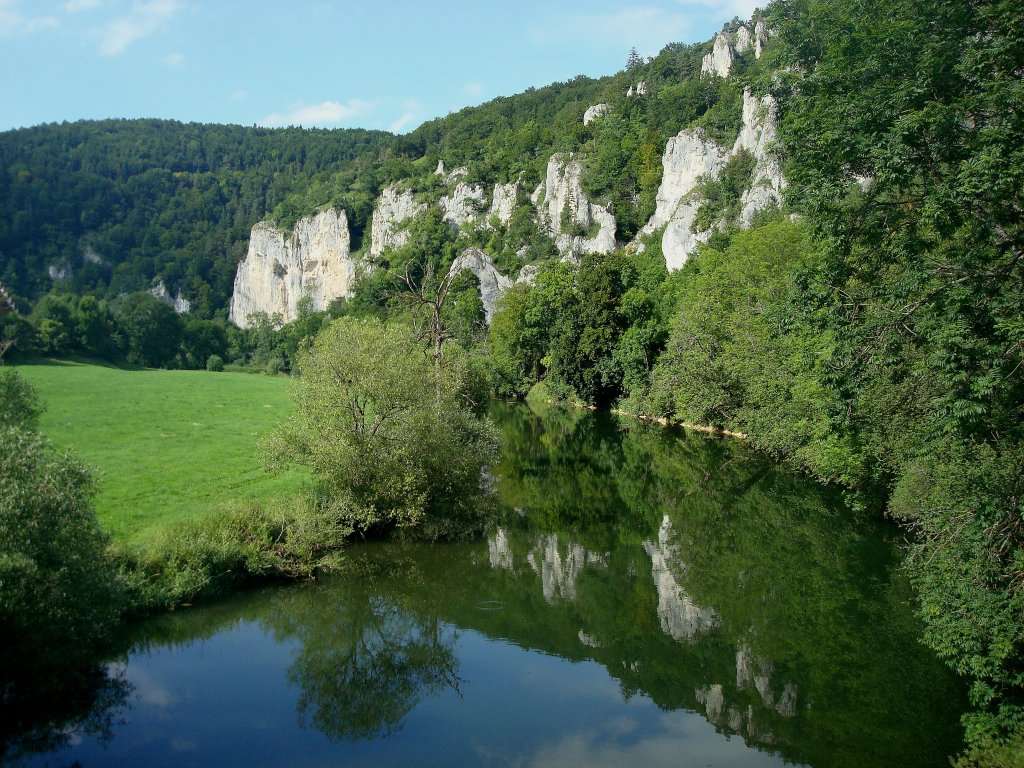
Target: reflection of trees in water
733,588
366,660
41,709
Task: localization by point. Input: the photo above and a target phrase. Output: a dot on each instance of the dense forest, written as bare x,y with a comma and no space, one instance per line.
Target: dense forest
869,332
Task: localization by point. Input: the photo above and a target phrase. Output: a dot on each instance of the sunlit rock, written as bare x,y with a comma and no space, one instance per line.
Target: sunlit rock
594,112
504,201
394,208
279,270
577,226
465,203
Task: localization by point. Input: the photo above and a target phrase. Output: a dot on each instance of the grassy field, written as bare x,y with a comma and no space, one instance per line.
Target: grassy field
164,445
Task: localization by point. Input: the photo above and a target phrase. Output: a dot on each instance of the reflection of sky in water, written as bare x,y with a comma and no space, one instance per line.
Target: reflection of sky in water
226,700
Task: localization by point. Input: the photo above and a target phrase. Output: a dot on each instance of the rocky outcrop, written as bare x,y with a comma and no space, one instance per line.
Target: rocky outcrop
493,284
279,270
758,136
7,306
761,36
394,208
178,303
577,226
729,46
640,89
594,112
464,204
681,619
504,201
722,55
690,159
89,255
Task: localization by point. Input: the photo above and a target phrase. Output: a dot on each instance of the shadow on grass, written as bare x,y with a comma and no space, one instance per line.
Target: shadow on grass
120,365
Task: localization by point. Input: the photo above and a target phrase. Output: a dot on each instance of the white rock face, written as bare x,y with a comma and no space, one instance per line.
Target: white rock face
315,261
594,112
503,201
493,284
758,136
640,89
394,207
681,619
688,159
760,38
561,192
722,55
89,255
464,204
742,40
178,303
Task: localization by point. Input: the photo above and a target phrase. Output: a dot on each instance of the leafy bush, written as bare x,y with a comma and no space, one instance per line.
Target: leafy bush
215,363
391,445
202,558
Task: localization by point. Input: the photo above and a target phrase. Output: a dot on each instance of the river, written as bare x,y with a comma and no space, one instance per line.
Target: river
646,597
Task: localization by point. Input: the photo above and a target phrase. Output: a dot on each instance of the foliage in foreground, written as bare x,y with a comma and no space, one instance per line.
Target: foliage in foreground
393,445
198,559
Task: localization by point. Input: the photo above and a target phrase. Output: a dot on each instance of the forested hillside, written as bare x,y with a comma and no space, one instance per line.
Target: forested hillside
861,319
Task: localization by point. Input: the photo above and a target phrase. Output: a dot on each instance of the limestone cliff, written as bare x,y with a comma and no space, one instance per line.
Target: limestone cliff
280,269
594,112
576,224
690,159
758,136
465,203
722,55
394,208
729,46
493,284
178,303
504,201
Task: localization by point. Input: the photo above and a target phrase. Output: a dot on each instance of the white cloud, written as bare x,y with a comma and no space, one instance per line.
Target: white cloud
473,88
729,8
648,28
238,95
144,19
326,113
74,6
411,112
14,22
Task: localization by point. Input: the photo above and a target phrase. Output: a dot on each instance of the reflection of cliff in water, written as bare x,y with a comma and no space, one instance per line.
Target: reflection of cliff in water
710,580
696,574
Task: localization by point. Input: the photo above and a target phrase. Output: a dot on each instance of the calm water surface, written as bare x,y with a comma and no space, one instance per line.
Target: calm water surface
647,598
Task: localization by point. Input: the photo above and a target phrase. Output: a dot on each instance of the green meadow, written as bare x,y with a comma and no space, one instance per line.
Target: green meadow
164,445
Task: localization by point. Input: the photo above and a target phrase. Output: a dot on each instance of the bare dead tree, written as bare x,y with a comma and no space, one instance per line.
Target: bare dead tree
432,300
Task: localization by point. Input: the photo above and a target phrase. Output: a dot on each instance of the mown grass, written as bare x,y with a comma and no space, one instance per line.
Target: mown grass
165,446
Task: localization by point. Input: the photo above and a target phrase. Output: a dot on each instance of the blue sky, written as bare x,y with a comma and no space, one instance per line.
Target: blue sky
330,63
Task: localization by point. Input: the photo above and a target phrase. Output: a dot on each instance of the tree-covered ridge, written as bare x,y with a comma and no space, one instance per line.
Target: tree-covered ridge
113,206
123,203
